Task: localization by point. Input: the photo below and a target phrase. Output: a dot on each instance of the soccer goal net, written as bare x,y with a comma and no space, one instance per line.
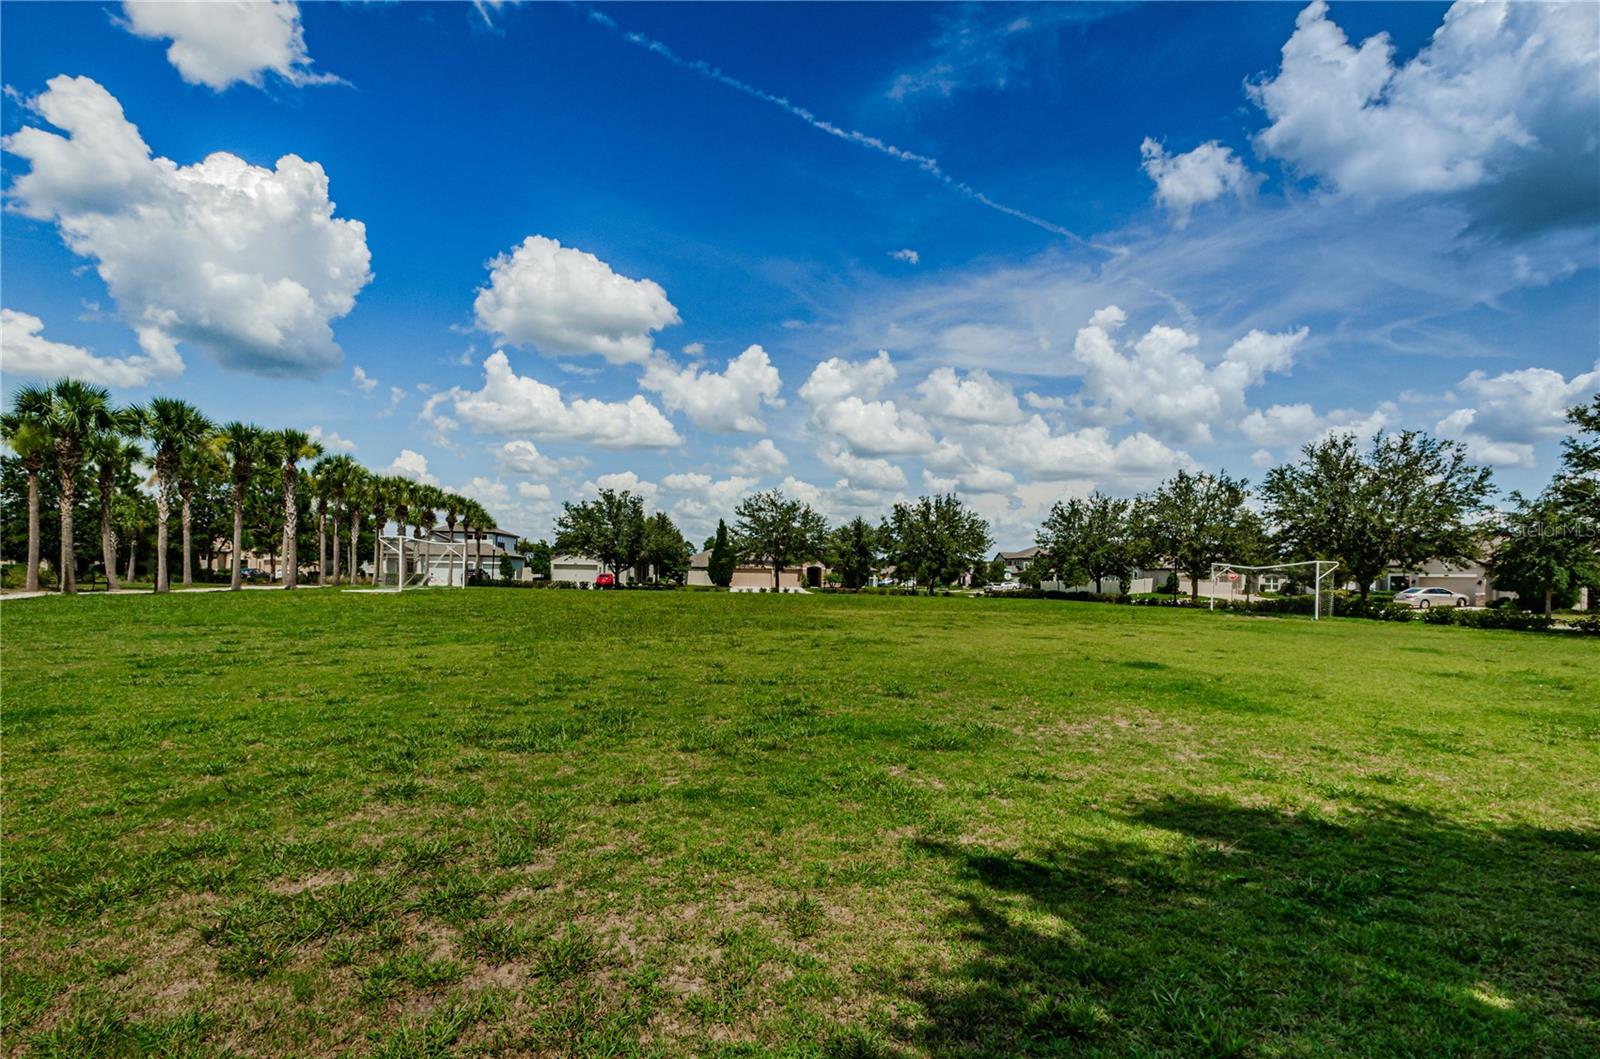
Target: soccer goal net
1230,581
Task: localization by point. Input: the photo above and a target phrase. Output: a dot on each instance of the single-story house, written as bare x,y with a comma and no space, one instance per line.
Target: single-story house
750,575
582,570
1470,580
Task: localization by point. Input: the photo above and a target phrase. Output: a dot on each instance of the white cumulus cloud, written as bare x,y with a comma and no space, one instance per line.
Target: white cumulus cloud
841,392
1512,411
331,440
413,465
872,472
246,263
563,301
1162,382
523,457
727,401
25,351
1184,181
510,403
761,459
1502,102
1293,425
221,43
978,398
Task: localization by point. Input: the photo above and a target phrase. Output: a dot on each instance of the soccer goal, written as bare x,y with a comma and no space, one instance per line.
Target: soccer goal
1228,579
405,562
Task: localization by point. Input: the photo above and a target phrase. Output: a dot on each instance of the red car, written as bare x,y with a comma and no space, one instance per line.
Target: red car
605,581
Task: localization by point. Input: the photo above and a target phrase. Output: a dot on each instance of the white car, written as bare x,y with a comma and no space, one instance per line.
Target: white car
1423,598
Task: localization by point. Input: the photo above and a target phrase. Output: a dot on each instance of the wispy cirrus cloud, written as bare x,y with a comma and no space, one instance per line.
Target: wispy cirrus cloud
926,163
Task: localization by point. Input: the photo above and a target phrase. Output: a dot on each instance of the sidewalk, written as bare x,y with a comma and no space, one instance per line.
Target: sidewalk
145,591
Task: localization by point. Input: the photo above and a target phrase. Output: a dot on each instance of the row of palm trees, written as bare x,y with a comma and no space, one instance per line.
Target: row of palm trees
74,425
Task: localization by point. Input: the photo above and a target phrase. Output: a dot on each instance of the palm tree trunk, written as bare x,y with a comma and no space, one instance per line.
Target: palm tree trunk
355,540
236,577
335,522
322,549
133,554
291,529
108,541
69,557
377,551
163,514
33,530
400,562
188,559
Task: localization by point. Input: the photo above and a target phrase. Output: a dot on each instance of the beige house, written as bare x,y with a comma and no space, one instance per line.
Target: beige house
753,576
1472,581
582,570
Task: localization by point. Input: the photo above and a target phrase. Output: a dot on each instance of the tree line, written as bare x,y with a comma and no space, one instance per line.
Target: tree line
1395,501
932,541
233,485
1398,501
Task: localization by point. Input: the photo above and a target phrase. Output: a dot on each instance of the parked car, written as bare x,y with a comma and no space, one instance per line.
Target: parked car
605,581
1423,598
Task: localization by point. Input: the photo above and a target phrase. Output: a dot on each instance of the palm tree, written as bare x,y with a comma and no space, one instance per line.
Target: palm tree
312,480
199,464
113,457
452,514
132,511
174,427
469,519
476,516
379,497
357,499
244,446
400,499
77,412
334,475
426,501
23,429
292,447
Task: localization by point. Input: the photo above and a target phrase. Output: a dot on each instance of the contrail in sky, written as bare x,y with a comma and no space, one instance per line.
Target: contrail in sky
872,143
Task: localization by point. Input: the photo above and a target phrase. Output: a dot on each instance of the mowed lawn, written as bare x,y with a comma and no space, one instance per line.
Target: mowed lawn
552,823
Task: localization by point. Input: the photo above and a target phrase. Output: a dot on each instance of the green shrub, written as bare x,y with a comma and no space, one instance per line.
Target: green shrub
1505,619
1589,624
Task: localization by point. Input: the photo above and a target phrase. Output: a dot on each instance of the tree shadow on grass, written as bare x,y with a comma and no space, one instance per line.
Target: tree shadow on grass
1247,931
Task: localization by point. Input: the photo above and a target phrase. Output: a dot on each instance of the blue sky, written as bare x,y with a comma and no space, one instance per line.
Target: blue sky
1093,243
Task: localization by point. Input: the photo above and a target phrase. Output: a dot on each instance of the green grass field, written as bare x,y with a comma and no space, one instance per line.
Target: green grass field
552,823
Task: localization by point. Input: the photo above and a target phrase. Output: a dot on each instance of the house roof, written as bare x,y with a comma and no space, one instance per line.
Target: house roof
700,558
1026,553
